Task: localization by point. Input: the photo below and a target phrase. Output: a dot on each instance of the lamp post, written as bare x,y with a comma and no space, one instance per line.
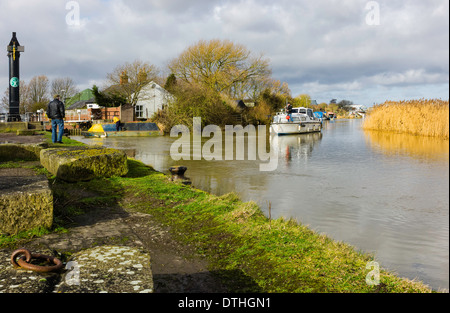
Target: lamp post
63,96
14,49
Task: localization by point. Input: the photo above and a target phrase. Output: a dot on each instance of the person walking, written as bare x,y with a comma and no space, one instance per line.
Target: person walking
56,112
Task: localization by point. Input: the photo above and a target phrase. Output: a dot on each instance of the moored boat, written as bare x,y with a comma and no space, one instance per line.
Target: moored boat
302,121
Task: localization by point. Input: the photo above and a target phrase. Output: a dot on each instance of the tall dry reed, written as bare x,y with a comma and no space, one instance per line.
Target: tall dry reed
417,117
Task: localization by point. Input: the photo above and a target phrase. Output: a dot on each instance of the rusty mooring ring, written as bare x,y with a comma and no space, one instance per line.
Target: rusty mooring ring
16,253
27,256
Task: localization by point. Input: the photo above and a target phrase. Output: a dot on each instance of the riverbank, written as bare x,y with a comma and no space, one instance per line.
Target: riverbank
235,243
279,255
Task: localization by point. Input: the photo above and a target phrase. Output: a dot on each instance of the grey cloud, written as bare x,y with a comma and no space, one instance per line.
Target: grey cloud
178,7
324,45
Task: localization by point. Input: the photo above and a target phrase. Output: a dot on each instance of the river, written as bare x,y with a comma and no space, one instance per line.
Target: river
386,194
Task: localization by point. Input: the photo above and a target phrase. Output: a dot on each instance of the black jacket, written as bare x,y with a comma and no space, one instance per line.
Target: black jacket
289,109
56,110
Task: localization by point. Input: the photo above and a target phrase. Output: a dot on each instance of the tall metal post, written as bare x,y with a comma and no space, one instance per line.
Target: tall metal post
14,49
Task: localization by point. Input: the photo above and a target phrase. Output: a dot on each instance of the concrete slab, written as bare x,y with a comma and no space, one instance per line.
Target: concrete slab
74,164
26,201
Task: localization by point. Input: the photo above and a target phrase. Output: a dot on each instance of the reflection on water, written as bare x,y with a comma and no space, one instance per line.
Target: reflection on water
385,194
419,147
294,147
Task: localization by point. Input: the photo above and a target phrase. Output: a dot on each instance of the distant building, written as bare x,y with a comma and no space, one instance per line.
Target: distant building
152,98
357,108
80,100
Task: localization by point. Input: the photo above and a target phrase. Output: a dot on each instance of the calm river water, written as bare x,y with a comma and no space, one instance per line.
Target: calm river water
385,194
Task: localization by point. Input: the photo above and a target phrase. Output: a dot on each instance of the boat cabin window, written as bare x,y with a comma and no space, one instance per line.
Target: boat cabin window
294,110
302,111
310,113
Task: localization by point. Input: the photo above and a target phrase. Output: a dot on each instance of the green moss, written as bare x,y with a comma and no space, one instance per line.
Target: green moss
26,209
84,163
18,152
84,152
25,132
18,240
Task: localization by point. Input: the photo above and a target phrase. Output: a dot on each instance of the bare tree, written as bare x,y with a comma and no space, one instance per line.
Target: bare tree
4,103
65,87
128,79
38,92
25,104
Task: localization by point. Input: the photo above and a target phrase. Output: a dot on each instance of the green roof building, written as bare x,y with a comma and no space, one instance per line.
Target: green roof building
85,95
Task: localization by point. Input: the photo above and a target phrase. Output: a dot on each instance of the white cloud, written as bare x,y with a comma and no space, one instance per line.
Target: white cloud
410,77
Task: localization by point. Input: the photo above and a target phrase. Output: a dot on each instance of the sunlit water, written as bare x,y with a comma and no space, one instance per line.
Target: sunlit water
386,194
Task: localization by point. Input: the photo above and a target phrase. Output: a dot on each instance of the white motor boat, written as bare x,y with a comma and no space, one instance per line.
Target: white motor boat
302,121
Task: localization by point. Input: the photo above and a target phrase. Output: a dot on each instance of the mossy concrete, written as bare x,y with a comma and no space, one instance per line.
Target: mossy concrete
74,164
23,152
26,201
108,269
102,269
25,132
13,126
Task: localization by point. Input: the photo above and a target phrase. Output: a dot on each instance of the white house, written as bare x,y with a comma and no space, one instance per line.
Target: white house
152,98
357,108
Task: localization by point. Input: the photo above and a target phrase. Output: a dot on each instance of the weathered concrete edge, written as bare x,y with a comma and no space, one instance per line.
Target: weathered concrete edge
24,152
80,164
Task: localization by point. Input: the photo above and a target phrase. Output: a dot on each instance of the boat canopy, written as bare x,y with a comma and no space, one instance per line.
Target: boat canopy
318,114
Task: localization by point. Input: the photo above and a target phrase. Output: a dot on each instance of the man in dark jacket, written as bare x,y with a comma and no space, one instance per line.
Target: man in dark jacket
56,112
289,111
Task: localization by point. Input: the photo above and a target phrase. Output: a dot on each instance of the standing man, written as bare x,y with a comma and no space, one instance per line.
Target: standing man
56,112
289,111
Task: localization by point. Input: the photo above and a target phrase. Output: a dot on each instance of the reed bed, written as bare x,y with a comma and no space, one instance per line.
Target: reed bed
417,117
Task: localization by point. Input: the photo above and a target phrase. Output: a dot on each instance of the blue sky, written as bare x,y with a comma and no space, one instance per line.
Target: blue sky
363,51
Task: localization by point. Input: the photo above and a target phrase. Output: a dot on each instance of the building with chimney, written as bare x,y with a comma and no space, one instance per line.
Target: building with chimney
152,98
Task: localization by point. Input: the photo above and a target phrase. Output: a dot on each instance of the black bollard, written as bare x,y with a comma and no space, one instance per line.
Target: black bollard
178,174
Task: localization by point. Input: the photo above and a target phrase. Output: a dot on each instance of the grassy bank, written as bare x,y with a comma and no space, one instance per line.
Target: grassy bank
275,255
416,117
279,255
